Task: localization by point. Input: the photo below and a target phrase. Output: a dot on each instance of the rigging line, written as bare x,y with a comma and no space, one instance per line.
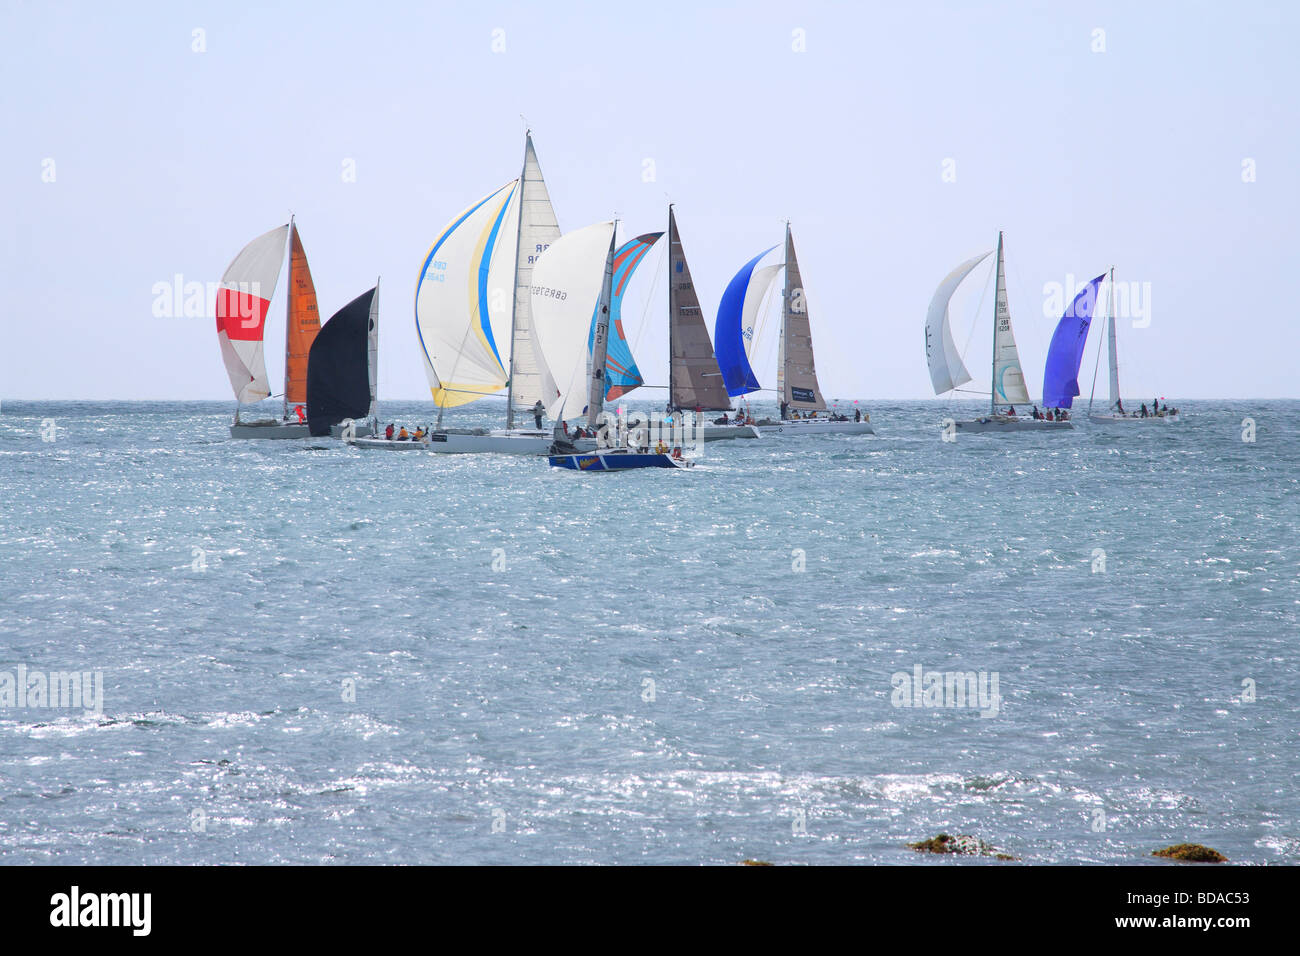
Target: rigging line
1097,365
645,308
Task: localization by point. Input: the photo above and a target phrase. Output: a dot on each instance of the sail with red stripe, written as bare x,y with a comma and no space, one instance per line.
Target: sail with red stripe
621,373
243,300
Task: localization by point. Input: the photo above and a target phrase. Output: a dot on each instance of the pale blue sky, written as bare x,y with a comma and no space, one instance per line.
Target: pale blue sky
167,161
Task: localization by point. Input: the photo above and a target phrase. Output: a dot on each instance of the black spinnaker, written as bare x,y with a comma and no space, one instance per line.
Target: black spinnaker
338,368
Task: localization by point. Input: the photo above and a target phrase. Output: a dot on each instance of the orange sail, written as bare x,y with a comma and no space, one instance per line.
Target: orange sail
303,323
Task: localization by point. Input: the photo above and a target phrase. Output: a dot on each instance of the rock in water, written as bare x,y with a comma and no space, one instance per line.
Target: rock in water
1191,853
962,844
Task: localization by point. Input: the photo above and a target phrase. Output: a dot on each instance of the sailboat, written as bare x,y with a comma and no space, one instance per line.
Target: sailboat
948,372
796,373
475,284
573,280
694,379
1115,409
621,372
243,300
343,371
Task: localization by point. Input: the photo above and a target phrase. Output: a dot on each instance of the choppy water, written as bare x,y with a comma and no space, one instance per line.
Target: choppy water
501,711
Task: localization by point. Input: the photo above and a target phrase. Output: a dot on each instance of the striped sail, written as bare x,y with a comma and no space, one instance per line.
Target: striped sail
1008,378
567,286
243,300
621,372
947,371
799,373
733,332
303,324
694,380
454,307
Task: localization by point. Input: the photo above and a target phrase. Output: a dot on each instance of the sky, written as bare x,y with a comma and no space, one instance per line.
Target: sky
146,141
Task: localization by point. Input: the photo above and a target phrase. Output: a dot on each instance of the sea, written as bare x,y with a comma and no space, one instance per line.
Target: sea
1076,647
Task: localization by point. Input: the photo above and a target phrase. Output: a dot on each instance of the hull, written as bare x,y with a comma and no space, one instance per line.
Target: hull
617,461
815,427
453,443
359,430
727,432
269,429
1132,419
1000,424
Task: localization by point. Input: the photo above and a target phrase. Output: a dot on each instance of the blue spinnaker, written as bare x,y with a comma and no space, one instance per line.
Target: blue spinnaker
1065,354
729,336
621,373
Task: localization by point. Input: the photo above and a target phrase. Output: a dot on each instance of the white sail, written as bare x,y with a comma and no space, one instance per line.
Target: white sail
1113,344
454,305
372,356
243,300
761,282
1008,378
947,371
567,281
535,226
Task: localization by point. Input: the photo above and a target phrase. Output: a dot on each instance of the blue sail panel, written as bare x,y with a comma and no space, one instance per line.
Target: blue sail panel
1065,354
621,373
729,336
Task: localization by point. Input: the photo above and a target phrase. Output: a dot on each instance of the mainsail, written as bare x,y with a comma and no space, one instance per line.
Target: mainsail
340,373
694,380
1112,343
733,332
303,322
570,282
621,372
454,308
535,228
798,384
242,303
1008,379
1065,354
947,370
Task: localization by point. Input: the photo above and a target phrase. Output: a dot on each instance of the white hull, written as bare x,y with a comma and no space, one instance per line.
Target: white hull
497,442
1132,419
1001,424
815,427
359,430
727,432
269,429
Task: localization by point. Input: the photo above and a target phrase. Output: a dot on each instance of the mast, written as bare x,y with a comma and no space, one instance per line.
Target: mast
600,344
288,316
1112,344
672,236
514,297
372,359
993,369
782,385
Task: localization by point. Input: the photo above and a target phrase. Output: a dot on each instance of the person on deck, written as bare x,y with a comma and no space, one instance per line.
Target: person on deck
402,435
388,432
857,414
538,410
1155,406
1143,413
1119,405
419,433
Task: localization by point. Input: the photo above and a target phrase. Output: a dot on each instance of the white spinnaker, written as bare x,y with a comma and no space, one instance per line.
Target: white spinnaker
251,279
566,286
453,305
1008,377
531,378
756,294
946,368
